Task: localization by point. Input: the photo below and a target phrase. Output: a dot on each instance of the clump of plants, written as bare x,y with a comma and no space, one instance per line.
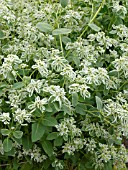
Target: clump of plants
63,84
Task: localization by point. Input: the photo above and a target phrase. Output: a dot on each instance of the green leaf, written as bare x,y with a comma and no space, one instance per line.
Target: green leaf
98,103
113,32
64,3
44,27
49,121
48,108
57,106
48,148
108,165
113,73
46,164
74,99
66,39
76,60
7,145
1,92
18,85
58,141
18,140
10,76
5,132
15,164
3,85
61,31
27,143
18,134
37,131
12,152
1,34
37,113
118,142
27,166
52,135
80,108
66,109
94,27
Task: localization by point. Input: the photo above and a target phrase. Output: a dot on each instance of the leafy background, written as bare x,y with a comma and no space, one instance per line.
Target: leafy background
63,84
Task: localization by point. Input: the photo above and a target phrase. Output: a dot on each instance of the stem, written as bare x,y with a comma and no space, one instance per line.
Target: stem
33,72
123,84
2,165
60,37
102,4
105,118
61,45
92,10
19,76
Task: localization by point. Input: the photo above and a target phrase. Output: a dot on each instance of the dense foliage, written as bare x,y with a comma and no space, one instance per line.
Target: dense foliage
63,84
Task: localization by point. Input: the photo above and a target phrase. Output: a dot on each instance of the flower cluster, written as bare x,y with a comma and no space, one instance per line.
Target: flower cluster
67,128
5,118
35,154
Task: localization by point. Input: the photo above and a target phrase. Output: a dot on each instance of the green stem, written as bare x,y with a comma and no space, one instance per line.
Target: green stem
102,4
105,118
19,76
61,45
33,72
123,84
92,10
93,18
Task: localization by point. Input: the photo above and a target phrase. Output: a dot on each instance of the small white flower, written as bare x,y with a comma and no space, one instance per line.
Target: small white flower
5,118
68,73
21,115
38,104
42,67
57,93
34,85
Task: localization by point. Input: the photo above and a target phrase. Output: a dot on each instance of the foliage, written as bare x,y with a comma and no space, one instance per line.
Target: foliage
63,84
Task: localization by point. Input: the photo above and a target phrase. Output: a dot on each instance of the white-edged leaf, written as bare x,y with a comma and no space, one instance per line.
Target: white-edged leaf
113,32
61,31
18,134
5,132
74,99
98,103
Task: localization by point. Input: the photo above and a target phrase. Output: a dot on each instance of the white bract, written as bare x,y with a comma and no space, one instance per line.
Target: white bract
21,116
5,118
38,104
34,85
42,67
57,93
